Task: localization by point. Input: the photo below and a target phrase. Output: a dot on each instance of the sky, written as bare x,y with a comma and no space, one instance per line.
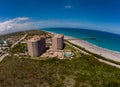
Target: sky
16,15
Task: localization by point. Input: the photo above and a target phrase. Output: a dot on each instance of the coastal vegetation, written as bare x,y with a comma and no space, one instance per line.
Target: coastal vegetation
84,71
32,33
21,33
94,55
19,48
81,71
67,47
6,36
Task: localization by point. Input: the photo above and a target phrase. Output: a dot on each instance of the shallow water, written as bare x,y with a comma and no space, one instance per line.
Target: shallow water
102,39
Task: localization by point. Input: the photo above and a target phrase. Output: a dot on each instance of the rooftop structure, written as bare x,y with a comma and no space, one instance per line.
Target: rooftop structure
58,42
36,46
35,38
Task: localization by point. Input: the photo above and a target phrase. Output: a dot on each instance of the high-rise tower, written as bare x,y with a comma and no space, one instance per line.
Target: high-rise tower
58,42
36,46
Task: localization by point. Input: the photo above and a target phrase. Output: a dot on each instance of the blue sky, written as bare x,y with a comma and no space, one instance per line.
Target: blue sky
93,14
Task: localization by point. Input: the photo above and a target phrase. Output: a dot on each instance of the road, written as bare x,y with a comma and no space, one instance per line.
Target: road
19,41
3,56
6,54
74,47
109,63
101,60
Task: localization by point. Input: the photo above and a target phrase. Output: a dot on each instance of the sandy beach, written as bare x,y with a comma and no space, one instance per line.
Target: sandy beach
94,49
115,56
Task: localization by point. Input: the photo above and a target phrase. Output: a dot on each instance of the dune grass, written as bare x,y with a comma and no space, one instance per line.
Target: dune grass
84,71
19,48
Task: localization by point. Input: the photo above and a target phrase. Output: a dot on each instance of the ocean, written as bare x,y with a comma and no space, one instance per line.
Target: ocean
102,39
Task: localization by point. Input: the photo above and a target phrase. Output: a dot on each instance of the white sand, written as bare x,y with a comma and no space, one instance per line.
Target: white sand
97,50
112,55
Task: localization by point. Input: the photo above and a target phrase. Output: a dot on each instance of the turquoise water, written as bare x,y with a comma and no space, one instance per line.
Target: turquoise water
68,55
103,39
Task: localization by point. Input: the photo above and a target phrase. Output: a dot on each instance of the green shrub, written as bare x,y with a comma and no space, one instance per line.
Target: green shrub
78,72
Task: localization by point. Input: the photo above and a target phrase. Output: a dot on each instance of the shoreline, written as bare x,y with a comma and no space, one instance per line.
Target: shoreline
108,54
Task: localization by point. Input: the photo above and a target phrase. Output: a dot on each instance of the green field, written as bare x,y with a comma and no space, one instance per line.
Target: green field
84,71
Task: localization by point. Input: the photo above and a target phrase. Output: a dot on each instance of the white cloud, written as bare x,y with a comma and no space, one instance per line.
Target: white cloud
24,23
15,24
68,6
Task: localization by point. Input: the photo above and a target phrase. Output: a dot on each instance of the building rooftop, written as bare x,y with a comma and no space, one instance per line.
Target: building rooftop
36,38
59,35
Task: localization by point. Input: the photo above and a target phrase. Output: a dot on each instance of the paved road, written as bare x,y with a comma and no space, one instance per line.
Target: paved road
104,61
6,54
3,56
109,63
19,41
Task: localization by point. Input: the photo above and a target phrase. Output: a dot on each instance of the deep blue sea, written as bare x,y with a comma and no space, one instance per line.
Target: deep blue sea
103,39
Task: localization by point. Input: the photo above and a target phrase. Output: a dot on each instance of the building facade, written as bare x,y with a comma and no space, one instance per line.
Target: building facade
58,42
36,46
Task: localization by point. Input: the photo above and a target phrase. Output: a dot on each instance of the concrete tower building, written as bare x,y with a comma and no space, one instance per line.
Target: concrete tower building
36,46
58,42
